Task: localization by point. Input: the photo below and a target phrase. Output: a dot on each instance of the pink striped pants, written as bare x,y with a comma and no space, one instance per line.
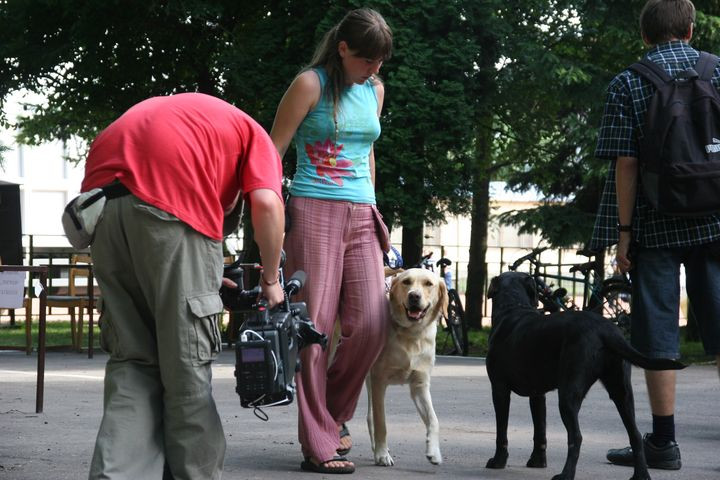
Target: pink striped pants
337,244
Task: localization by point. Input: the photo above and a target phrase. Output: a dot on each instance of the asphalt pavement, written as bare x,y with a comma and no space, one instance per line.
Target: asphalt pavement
57,444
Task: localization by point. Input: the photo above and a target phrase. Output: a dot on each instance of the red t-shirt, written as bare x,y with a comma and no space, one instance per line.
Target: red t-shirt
187,154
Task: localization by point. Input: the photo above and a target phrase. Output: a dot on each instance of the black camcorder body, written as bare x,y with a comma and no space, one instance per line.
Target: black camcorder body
266,355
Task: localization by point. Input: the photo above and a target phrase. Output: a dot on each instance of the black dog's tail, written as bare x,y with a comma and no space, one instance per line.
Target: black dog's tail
614,340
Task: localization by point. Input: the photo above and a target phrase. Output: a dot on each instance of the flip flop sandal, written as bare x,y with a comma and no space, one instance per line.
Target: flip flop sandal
344,432
309,466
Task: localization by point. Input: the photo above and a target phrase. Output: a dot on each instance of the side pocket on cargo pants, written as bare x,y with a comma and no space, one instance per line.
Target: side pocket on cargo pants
108,335
204,335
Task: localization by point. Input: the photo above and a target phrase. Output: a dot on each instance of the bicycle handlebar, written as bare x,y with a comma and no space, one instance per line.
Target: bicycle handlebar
423,261
530,256
583,268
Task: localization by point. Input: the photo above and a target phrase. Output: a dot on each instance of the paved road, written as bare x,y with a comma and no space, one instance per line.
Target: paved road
57,444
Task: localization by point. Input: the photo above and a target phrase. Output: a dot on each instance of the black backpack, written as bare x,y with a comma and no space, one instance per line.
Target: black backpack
680,153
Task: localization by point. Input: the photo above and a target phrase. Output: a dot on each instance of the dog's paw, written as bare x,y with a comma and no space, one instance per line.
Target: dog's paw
434,456
384,459
432,449
498,461
537,460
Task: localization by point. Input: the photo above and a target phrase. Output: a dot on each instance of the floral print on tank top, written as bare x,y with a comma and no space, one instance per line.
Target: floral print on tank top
325,157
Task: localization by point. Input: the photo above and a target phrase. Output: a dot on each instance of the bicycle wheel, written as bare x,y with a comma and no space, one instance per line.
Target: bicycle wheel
615,305
455,326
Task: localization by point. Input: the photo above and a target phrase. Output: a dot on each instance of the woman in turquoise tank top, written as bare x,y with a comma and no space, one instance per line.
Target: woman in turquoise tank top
331,112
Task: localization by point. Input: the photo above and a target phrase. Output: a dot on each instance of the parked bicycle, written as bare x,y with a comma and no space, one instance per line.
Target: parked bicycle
453,339
609,297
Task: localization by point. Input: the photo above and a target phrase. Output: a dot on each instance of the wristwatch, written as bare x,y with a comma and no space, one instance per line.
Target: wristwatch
624,228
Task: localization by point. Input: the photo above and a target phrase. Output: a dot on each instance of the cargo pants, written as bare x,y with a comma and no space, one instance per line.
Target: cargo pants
159,282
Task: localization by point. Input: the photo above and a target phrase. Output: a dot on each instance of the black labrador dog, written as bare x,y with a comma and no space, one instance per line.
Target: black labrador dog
531,354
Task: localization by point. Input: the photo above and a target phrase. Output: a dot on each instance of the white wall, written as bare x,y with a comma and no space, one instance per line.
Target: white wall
47,182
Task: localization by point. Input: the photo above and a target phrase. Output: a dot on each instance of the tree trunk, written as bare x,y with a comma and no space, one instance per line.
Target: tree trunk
412,245
477,268
485,90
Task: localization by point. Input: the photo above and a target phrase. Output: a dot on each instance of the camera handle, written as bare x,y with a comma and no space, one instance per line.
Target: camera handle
306,330
291,287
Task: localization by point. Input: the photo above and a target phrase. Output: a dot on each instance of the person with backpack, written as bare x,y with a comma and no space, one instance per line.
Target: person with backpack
661,131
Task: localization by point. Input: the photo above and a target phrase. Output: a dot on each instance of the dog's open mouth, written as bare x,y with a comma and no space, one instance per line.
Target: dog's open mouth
415,314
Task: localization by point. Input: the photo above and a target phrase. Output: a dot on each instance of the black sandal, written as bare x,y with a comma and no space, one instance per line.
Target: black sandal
309,466
344,432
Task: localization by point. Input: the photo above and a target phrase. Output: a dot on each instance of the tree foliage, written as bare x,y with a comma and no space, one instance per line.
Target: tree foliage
424,152
475,90
549,115
554,127
93,60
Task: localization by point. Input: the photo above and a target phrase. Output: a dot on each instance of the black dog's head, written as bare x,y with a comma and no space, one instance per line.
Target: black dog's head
513,289
510,290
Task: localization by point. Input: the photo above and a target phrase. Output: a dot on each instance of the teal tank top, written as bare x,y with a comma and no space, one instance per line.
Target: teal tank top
332,168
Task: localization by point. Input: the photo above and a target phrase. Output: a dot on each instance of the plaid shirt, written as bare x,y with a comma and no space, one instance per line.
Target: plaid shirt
628,97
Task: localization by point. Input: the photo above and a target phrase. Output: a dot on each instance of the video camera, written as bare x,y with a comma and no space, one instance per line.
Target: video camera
266,356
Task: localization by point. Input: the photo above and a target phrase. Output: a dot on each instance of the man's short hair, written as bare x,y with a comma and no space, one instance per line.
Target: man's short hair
665,20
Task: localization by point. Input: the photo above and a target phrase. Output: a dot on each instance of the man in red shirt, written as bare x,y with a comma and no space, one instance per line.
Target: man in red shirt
183,162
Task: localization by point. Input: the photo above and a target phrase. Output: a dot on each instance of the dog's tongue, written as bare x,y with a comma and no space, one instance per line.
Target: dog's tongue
414,314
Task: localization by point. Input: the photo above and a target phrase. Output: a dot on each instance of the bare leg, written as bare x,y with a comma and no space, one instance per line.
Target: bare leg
346,441
661,390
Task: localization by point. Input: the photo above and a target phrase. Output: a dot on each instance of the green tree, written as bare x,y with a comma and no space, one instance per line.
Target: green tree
476,90
521,80
558,132
489,30
93,60
545,107
428,118
555,130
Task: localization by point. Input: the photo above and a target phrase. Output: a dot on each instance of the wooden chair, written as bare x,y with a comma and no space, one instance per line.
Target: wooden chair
75,297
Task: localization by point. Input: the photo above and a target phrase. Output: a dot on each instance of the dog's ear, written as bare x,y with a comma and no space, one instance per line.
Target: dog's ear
394,285
389,272
493,288
531,289
444,299
440,306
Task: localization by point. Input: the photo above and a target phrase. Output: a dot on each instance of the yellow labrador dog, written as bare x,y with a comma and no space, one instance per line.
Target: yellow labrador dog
417,300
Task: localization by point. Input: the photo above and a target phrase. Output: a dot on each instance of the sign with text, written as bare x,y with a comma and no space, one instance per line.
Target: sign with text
12,289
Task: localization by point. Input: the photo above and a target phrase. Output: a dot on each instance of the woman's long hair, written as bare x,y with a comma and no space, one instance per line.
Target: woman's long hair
366,33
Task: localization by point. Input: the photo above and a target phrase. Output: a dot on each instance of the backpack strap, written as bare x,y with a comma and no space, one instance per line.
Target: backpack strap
705,66
652,72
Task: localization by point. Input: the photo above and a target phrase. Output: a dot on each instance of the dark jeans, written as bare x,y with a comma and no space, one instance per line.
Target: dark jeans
656,298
